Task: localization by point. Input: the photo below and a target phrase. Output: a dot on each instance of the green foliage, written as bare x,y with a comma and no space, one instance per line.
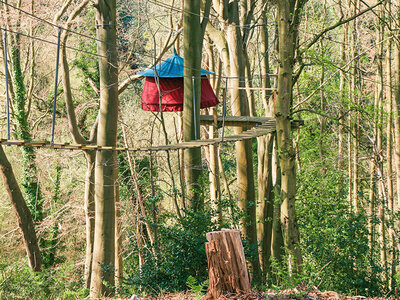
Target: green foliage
198,288
20,282
32,193
180,253
50,243
283,277
334,240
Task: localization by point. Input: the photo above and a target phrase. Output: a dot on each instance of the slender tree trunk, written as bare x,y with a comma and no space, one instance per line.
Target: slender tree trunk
389,156
227,191
287,29
22,212
322,120
342,93
90,156
396,86
192,94
118,229
104,235
264,153
277,237
89,214
215,185
214,177
355,101
379,147
266,199
32,193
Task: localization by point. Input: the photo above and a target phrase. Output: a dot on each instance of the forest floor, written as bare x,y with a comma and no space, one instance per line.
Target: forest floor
286,294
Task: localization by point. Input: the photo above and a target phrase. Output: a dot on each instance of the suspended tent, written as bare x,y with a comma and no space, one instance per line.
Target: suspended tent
169,74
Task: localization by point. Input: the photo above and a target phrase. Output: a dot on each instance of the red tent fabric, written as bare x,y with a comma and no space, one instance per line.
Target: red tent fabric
172,94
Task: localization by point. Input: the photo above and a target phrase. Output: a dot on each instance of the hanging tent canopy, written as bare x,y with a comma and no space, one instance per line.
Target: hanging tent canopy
169,74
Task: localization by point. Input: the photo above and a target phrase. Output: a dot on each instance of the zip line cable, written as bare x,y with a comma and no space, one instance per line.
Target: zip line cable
96,39
147,55
51,23
51,42
167,6
53,122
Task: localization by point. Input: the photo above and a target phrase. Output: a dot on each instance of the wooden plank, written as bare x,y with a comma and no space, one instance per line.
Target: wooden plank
262,126
15,142
233,120
253,88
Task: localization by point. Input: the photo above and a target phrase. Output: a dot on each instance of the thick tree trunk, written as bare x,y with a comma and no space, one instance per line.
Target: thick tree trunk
226,264
104,236
230,46
22,212
287,30
244,158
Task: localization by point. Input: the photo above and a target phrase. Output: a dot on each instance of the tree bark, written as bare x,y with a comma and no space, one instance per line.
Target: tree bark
277,247
104,236
389,158
287,33
226,264
22,212
231,48
264,153
89,214
193,34
266,200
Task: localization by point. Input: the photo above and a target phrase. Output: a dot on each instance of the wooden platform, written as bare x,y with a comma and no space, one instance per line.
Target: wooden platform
262,126
233,120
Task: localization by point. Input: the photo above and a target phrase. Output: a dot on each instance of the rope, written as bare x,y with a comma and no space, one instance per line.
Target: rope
55,87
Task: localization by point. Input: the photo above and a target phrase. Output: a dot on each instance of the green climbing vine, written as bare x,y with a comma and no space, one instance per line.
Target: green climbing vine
30,182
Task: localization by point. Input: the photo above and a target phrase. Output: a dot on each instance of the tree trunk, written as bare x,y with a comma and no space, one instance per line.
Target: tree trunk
32,193
379,148
22,212
226,264
215,185
89,214
342,93
244,158
192,94
266,199
389,155
277,237
356,118
287,32
104,235
231,48
397,113
118,229
264,153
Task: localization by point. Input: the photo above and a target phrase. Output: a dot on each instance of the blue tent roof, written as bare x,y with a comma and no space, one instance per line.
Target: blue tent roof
172,67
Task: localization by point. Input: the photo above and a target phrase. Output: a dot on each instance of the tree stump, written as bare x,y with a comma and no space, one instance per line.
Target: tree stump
227,269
